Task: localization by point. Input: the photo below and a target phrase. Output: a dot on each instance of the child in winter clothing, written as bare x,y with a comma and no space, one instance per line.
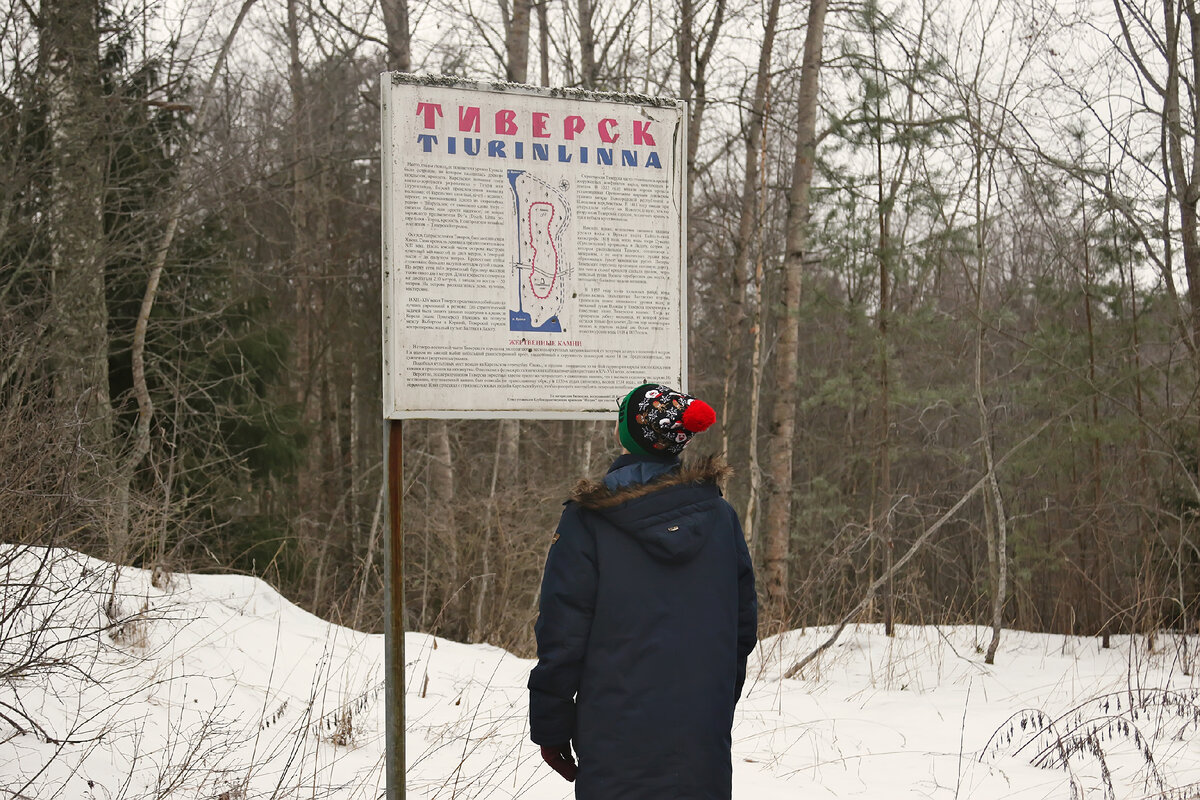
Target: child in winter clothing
648,613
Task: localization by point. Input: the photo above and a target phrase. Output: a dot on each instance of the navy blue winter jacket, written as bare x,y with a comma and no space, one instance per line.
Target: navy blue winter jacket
648,613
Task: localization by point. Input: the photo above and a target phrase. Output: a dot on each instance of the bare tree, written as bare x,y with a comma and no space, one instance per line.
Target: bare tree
1166,55
783,413
986,122
742,279
139,438
695,53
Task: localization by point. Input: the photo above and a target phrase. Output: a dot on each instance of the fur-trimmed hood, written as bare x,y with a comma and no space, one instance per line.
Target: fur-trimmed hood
596,495
671,516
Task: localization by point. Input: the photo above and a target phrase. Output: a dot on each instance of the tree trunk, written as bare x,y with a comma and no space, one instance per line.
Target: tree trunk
693,77
442,520
1186,176
1101,592
756,376
779,494
1148,618
587,436
882,517
543,42
1184,165
310,505
886,192
505,477
683,55
587,45
516,42
749,221
70,56
399,47
997,534
756,366
478,630
369,559
998,541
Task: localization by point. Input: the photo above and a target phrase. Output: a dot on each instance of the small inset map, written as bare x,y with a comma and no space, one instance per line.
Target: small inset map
541,271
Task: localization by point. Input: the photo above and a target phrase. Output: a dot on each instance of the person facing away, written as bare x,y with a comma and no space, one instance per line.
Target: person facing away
647,615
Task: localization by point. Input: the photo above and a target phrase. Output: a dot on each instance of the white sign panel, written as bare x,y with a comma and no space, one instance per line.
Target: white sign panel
533,249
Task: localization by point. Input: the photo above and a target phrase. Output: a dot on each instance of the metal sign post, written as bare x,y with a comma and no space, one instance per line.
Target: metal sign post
393,615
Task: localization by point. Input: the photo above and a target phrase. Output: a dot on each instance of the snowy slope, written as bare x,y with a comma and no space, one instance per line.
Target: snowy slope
217,687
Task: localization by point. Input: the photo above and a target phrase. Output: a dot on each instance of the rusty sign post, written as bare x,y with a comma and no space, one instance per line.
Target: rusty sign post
393,615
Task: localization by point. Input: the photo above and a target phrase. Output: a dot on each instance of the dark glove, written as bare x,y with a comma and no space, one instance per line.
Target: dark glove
561,760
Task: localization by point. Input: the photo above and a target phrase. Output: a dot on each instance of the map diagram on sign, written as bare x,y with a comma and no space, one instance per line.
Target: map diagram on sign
541,270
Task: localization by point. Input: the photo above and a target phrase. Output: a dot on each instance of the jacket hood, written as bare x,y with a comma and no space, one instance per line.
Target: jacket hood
663,515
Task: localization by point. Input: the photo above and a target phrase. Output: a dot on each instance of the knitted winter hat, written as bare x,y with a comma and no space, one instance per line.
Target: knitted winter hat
657,420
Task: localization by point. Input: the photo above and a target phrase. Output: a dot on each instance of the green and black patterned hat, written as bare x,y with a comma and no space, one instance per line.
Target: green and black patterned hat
657,420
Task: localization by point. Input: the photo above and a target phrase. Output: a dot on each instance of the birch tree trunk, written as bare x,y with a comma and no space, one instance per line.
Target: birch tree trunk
756,375
441,490
749,220
779,492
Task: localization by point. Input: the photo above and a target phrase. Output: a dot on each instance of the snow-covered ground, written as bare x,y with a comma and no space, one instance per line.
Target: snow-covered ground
217,687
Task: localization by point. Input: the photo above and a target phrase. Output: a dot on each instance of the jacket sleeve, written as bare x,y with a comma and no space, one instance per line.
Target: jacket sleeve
747,605
564,622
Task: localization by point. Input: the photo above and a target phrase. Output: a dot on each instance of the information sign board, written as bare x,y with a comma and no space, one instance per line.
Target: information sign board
534,257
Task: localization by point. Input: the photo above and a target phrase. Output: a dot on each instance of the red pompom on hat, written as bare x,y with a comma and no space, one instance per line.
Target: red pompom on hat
658,420
698,416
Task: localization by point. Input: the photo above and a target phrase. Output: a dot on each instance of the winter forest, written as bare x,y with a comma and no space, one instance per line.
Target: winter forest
944,295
